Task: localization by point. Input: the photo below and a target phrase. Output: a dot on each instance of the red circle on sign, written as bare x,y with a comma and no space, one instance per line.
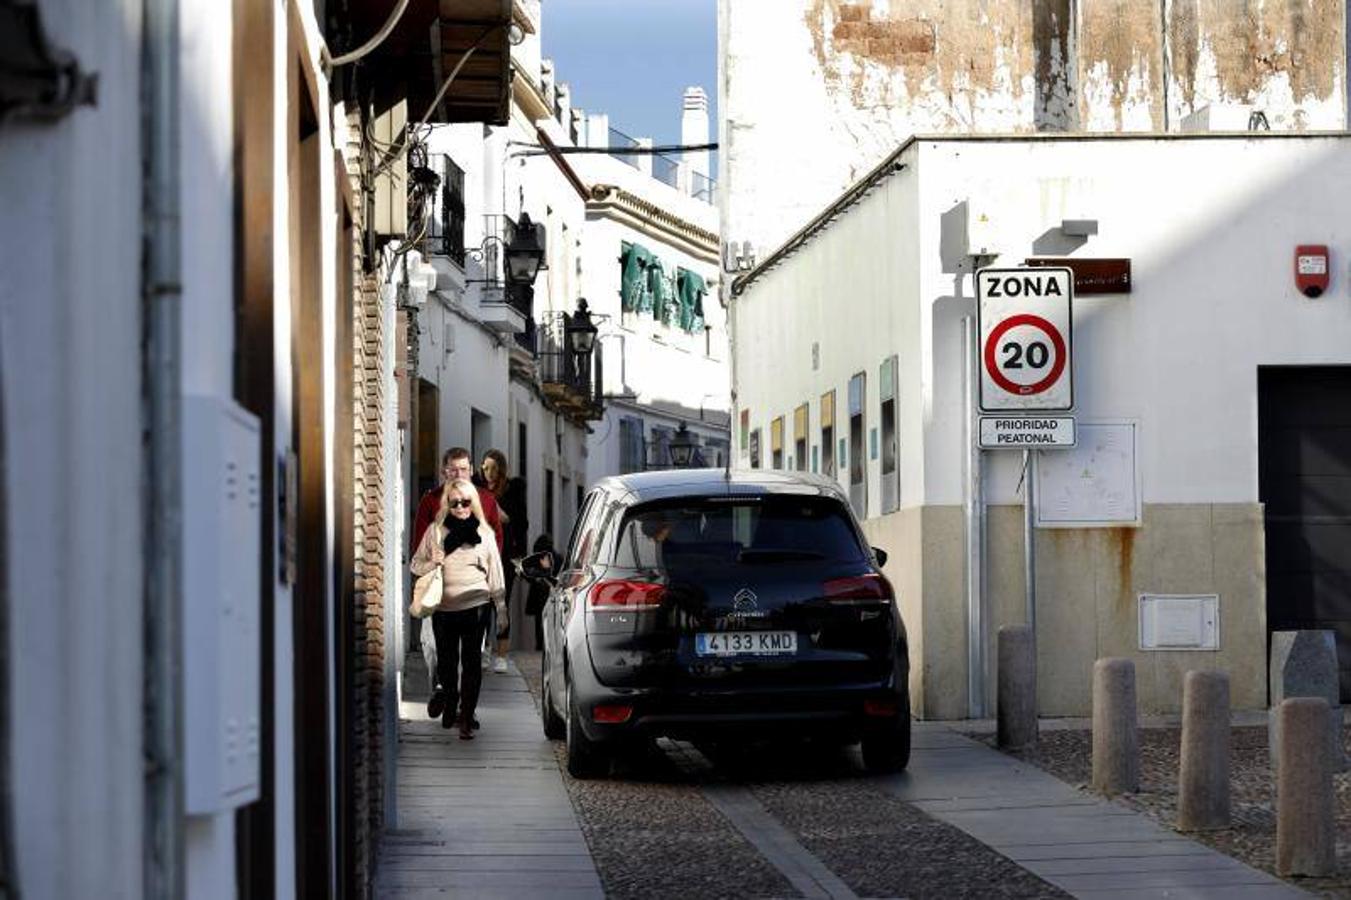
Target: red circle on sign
1008,384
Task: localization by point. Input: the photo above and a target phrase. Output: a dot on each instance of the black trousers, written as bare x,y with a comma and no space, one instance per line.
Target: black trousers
459,645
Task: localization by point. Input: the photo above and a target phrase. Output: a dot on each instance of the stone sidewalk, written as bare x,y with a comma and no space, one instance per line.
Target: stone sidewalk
483,818
1085,846
491,817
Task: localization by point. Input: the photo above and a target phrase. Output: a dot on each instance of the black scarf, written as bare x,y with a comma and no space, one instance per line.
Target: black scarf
459,532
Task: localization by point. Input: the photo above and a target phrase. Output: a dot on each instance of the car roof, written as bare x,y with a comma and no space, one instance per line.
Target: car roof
642,487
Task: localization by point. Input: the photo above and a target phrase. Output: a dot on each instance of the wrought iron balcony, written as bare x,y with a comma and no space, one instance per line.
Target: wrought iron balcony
571,380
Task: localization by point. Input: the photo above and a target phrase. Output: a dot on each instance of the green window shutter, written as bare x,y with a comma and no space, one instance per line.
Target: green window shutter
633,277
692,290
659,285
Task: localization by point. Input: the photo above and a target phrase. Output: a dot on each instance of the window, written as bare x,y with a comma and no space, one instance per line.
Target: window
828,433
452,211
480,434
800,437
550,524
522,445
755,448
582,541
858,452
776,442
565,495
891,475
659,454
774,530
631,445
745,429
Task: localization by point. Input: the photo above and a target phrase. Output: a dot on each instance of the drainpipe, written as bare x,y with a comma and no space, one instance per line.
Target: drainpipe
161,296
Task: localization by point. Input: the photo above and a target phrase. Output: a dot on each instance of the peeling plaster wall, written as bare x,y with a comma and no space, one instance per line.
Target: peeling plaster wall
1285,57
815,92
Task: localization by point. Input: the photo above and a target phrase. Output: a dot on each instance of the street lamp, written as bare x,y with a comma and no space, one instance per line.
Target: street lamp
525,253
581,331
682,447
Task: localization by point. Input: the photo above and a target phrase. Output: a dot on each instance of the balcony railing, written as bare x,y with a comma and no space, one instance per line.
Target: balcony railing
573,381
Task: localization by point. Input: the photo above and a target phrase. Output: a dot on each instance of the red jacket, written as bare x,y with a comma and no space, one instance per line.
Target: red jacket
430,505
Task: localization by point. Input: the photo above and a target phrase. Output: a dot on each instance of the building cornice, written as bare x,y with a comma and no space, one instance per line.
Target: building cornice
528,97
610,201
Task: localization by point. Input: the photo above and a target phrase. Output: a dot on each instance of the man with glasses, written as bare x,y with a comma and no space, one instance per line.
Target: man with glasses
456,465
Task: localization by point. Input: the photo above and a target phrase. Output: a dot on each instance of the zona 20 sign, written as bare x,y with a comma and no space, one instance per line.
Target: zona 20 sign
1026,358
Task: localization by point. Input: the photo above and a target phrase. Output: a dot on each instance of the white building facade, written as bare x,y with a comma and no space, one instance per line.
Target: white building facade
814,93
1194,390
495,364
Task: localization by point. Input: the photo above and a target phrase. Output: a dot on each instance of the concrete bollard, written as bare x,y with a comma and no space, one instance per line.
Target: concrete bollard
1016,706
1304,664
1116,743
1305,841
1203,782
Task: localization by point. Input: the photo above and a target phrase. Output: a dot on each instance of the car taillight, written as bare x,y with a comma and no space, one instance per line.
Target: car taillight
869,587
626,595
611,713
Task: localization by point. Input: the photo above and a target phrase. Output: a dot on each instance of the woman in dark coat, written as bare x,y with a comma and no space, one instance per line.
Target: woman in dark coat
512,512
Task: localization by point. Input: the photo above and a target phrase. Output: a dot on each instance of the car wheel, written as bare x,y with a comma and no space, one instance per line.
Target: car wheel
889,750
585,758
554,726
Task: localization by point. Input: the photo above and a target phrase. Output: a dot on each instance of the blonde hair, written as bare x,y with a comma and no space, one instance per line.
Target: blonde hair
464,488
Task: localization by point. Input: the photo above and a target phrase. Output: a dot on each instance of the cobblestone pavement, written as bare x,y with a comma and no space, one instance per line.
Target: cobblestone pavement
1069,756
774,821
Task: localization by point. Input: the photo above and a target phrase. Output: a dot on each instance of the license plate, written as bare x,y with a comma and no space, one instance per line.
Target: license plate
755,643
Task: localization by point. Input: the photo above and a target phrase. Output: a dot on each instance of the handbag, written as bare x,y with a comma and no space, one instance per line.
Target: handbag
427,593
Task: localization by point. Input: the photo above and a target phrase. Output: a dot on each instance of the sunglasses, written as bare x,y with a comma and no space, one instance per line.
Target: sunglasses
461,504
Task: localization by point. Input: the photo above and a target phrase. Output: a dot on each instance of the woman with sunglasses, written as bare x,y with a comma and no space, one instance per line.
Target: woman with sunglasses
464,546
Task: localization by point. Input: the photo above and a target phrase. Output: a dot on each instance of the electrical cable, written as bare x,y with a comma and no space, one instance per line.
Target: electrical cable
537,150
374,42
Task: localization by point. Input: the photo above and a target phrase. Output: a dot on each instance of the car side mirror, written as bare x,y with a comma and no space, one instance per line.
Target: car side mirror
542,566
881,556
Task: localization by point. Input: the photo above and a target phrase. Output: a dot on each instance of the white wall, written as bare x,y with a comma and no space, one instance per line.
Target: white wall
1210,225
70,350
812,93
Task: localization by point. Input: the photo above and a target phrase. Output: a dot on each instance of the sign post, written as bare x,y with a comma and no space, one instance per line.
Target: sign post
1026,371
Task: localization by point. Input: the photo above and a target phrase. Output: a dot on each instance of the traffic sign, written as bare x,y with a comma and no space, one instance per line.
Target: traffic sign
1026,432
1026,352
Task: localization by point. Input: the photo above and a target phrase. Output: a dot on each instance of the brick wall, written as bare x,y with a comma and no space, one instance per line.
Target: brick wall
370,497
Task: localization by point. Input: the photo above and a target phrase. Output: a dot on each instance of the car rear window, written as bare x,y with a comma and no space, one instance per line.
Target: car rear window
753,530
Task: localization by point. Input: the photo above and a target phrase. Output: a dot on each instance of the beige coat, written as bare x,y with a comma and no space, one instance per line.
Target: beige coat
471,575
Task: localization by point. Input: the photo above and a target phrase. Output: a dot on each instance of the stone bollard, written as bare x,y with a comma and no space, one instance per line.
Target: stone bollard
1203,782
1116,744
1304,664
1016,706
1305,841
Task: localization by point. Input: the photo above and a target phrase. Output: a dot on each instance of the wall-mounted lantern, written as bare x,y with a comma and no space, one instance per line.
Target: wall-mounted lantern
682,447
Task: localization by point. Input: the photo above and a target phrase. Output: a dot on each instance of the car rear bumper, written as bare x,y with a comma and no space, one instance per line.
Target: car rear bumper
847,711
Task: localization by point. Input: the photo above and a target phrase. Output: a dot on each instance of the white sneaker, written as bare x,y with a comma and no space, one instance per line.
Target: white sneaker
500,665
486,661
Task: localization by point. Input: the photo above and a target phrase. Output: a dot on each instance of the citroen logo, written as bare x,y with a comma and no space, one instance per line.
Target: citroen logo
744,601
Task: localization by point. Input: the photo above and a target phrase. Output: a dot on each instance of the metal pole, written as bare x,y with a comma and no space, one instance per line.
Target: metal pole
161,328
1030,542
976,626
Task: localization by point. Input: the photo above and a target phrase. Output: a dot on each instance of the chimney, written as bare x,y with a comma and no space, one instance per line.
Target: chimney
694,130
563,105
598,130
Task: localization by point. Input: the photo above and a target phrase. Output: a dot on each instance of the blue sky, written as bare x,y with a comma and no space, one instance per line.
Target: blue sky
633,59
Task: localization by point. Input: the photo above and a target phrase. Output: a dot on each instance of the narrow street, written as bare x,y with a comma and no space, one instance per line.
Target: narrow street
498,817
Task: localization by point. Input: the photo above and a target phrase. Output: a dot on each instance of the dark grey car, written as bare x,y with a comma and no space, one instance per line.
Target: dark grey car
726,606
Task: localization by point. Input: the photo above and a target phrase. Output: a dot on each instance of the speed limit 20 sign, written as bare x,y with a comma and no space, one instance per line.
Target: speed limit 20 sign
1026,358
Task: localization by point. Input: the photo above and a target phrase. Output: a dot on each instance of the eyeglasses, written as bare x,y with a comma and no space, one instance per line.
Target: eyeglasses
461,504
